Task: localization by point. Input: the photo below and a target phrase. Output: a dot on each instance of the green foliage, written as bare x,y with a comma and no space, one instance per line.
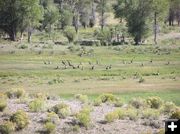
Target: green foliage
150,114
70,34
154,102
97,102
66,18
23,46
121,113
107,98
168,107
138,103
15,93
176,114
83,117
62,110
23,14
7,127
20,118
118,102
132,114
3,102
82,98
104,36
49,127
111,116
36,105
52,117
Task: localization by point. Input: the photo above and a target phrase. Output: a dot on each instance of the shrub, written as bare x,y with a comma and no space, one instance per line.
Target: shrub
82,98
15,93
84,117
168,107
23,46
49,127
150,114
154,102
20,118
176,114
131,114
107,97
118,102
52,117
36,105
7,127
62,110
70,34
3,102
137,103
121,113
110,117
97,102
161,131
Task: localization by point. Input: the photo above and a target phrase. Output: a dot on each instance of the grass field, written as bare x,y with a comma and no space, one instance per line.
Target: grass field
149,70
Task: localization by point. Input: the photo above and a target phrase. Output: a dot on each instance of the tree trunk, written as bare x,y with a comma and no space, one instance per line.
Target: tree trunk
12,36
155,28
29,36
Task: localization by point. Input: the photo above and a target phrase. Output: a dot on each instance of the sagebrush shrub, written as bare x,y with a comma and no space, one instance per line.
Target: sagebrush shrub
7,127
111,116
81,97
154,102
118,102
121,113
137,103
176,114
97,102
70,34
62,110
150,114
49,127
15,93
132,114
83,117
20,118
3,102
52,117
36,105
168,107
107,97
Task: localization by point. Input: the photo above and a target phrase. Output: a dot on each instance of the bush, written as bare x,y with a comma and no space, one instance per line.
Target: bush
104,36
7,127
3,102
137,103
97,102
176,114
89,42
84,117
15,93
107,98
49,127
110,117
82,98
131,114
121,113
36,105
154,102
52,117
70,34
118,102
150,114
23,46
161,131
168,107
62,110
20,118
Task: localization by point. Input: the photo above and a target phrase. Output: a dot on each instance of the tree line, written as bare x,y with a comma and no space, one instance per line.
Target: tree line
18,16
